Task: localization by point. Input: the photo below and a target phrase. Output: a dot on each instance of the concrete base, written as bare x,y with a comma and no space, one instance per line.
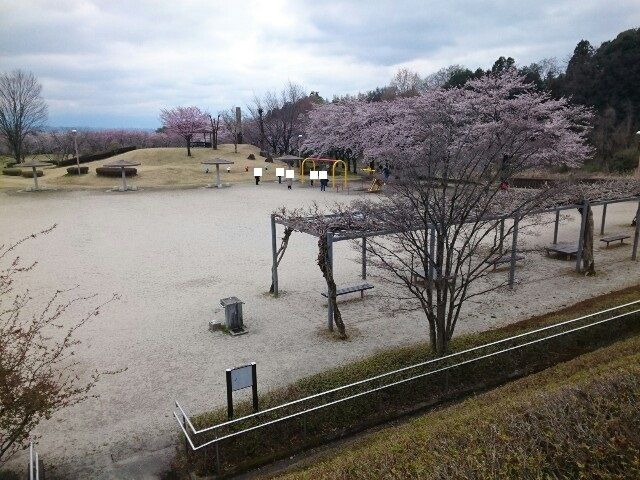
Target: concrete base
221,327
130,188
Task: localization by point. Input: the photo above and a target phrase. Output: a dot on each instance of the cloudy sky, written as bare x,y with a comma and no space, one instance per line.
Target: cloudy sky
108,63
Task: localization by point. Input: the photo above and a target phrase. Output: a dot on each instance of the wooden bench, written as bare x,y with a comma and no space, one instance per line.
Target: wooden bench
420,277
351,289
506,258
614,238
568,249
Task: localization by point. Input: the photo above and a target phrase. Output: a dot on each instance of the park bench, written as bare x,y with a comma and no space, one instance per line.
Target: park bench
506,258
351,289
568,249
614,238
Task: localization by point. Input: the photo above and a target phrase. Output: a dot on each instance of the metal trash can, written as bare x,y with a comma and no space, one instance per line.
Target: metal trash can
233,313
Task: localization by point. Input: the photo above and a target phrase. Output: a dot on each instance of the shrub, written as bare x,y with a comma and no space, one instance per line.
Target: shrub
74,170
14,172
29,173
625,160
251,157
116,172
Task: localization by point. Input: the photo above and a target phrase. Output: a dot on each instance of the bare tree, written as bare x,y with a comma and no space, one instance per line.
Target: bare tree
406,82
231,124
280,117
37,368
23,111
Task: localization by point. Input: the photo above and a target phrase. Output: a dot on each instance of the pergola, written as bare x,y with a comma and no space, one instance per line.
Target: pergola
217,162
34,164
122,165
347,227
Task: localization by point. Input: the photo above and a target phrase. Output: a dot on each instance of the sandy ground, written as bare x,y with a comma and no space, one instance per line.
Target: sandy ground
173,254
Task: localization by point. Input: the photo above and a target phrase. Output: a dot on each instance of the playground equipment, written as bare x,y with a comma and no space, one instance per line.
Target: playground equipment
333,162
376,185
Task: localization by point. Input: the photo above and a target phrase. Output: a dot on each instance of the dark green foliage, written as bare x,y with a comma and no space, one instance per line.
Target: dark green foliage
14,172
74,170
115,172
625,160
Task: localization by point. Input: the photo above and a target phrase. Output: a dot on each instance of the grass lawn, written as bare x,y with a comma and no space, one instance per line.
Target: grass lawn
578,419
160,167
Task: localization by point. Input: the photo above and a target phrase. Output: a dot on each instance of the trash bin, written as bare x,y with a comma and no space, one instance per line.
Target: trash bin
233,313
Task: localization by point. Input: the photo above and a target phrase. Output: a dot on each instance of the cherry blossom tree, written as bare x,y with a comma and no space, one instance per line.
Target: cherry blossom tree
185,122
452,153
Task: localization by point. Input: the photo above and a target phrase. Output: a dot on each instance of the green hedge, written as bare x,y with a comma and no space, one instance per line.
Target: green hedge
29,173
115,172
14,172
74,170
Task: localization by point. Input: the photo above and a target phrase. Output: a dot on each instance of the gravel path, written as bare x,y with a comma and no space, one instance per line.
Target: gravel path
173,254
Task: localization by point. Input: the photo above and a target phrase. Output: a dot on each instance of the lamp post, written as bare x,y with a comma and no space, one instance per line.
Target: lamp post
638,167
75,146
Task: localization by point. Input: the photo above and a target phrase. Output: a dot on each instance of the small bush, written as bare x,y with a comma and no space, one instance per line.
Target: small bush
625,160
251,157
269,159
14,172
116,172
29,173
74,170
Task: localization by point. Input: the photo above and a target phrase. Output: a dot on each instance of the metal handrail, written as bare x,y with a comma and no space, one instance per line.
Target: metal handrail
399,382
393,372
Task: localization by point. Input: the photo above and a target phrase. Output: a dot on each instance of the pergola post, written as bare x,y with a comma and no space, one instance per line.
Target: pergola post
330,297
604,216
364,258
514,246
432,253
634,253
218,175
274,256
583,226
555,227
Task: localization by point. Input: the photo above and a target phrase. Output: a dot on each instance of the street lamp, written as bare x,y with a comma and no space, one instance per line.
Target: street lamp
299,141
75,146
638,167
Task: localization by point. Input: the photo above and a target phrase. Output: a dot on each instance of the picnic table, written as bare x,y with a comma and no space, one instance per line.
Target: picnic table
614,238
568,249
361,287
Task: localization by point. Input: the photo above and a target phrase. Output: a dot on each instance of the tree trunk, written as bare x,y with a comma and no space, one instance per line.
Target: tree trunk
588,266
188,146
280,253
327,272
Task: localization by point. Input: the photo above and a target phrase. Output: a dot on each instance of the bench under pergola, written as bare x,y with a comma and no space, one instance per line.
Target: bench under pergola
343,227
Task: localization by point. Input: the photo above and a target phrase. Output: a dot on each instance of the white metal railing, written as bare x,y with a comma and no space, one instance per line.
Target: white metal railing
186,421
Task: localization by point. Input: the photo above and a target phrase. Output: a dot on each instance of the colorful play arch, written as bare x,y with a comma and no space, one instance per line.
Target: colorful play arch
333,163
